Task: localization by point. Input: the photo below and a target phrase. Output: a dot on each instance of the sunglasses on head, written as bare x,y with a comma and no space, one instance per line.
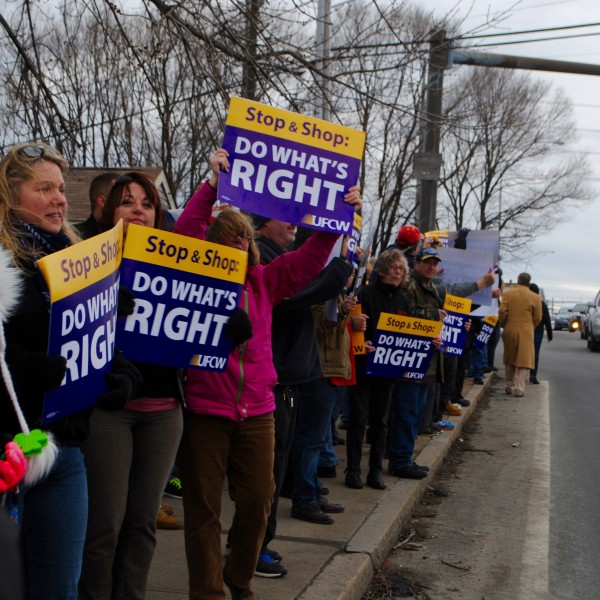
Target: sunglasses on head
34,152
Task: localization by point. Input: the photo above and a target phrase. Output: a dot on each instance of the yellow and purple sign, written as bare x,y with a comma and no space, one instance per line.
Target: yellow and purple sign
404,347
290,167
454,334
487,328
185,291
83,281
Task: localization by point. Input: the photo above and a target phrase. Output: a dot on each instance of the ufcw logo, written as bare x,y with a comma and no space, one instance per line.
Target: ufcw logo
331,224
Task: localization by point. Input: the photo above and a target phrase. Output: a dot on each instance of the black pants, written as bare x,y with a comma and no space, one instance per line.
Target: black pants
369,400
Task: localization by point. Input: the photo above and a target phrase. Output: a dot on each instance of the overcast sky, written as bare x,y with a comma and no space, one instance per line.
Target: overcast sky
565,263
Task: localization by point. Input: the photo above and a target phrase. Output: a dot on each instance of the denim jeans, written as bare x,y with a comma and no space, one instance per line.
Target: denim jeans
129,455
538,338
478,361
327,457
314,420
408,404
53,522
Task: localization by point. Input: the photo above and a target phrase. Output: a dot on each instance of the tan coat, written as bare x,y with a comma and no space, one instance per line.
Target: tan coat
520,312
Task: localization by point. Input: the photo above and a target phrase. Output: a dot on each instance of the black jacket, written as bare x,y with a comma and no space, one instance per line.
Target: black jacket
294,342
375,299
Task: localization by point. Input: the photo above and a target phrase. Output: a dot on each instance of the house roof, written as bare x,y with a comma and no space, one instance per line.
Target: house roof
77,184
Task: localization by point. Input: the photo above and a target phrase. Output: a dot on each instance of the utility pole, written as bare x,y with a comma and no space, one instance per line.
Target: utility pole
428,161
323,53
249,77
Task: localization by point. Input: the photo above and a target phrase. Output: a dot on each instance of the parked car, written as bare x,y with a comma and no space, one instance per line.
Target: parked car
585,321
593,318
575,319
561,320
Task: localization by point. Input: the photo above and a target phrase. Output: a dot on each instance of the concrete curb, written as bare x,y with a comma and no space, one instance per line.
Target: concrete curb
374,540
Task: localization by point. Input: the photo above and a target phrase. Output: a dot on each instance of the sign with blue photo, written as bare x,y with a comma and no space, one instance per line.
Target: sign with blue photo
290,167
185,291
83,282
487,327
454,334
403,347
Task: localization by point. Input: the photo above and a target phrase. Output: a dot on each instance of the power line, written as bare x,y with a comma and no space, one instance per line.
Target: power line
533,41
527,31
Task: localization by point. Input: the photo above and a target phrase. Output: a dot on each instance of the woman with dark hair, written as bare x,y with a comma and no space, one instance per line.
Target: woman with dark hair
53,509
228,421
130,451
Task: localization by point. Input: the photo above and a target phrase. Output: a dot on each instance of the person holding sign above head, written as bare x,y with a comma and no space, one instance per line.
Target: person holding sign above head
228,421
53,510
130,451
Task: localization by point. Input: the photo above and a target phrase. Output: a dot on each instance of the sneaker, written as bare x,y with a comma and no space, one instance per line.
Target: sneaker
353,480
326,472
430,432
275,556
167,521
167,508
453,409
173,489
443,425
329,507
462,402
311,513
409,472
267,567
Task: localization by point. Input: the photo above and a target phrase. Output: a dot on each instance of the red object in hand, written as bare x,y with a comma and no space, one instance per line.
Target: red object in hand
13,467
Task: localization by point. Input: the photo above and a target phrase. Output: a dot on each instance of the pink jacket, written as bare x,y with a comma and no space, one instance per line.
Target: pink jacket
245,388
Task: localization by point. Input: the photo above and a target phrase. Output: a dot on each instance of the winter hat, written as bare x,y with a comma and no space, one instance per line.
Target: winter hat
408,235
259,221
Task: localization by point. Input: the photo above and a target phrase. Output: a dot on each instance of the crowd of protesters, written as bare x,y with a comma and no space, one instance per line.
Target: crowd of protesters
264,425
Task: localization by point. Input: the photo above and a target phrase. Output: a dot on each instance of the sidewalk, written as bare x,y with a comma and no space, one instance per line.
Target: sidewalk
326,562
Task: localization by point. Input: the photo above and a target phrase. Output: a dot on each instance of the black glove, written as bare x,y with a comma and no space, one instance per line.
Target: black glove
126,303
123,381
238,327
50,369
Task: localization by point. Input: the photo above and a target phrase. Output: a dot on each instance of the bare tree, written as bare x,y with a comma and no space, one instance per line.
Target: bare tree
501,169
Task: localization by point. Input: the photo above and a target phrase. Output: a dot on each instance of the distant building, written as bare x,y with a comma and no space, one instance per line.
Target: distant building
77,185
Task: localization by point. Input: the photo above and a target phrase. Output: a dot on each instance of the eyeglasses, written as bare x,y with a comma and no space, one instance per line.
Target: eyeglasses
32,151
243,235
397,268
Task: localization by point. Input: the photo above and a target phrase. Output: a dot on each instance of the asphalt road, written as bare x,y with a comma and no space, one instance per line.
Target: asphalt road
574,375
513,512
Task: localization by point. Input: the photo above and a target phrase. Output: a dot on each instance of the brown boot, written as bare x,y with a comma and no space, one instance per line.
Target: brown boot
167,521
167,508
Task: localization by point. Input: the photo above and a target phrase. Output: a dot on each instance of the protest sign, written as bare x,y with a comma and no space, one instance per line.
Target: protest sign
464,266
357,337
439,235
484,241
290,167
454,334
487,327
185,290
403,347
83,281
